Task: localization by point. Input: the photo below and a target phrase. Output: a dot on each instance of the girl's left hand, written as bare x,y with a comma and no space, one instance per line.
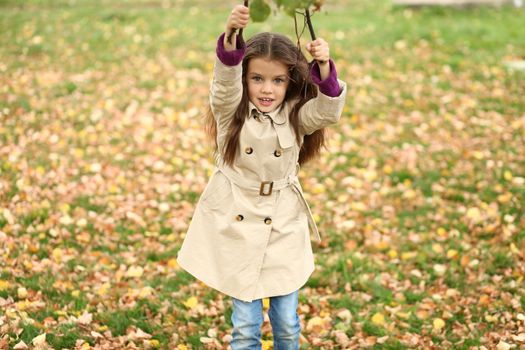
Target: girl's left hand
319,50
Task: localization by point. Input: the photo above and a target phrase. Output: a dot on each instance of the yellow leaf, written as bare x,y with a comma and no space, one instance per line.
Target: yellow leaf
64,208
491,319
135,271
103,290
266,303
370,175
382,245
503,346
145,292
154,343
358,206
78,153
404,315
442,232
158,151
172,263
505,197
182,347
113,189
57,254
438,324
266,344
437,248
22,305
477,154
507,175
440,269
22,293
474,213
324,313
378,319
452,253
392,254
315,322
39,340
191,302
4,285
318,188
31,248
408,255
409,194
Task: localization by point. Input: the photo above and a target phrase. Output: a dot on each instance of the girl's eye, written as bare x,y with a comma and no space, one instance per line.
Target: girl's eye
256,78
279,80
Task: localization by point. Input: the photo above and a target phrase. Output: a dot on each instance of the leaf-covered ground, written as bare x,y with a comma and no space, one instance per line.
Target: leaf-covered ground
420,195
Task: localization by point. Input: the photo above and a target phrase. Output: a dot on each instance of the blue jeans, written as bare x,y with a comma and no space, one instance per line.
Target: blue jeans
247,319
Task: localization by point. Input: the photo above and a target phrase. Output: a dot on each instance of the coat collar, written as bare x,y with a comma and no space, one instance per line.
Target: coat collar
279,122
276,116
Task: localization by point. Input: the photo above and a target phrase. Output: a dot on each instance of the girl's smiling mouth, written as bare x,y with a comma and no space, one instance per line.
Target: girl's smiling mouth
266,101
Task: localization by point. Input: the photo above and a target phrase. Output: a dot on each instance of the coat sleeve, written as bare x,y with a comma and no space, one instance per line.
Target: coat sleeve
226,85
327,107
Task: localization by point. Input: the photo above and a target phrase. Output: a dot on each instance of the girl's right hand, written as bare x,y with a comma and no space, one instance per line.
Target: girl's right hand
238,19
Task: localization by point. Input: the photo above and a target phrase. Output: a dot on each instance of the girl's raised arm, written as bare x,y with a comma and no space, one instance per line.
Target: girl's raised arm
226,87
238,19
327,107
320,52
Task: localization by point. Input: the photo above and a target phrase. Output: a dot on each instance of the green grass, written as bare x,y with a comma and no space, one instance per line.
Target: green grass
346,302
85,202
29,331
66,336
139,316
374,330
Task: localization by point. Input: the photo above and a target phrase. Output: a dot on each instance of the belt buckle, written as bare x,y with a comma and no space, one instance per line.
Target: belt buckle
264,185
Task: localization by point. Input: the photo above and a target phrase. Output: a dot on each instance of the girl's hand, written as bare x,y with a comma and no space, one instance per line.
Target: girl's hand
238,19
319,50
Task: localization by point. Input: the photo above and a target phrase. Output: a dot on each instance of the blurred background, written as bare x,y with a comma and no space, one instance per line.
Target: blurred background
419,195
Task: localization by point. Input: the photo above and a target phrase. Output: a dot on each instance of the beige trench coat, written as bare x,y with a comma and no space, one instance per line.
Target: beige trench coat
248,240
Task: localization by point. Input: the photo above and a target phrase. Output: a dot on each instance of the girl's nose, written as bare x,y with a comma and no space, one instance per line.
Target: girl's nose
267,87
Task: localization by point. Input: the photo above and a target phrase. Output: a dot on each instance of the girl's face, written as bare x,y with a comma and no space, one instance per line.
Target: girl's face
267,81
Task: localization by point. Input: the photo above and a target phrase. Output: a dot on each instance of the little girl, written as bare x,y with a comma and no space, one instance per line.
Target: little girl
249,236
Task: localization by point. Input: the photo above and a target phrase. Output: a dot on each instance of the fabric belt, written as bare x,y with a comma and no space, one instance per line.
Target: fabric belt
265,188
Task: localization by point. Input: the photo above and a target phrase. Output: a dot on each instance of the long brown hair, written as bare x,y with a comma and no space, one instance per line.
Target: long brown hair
301,89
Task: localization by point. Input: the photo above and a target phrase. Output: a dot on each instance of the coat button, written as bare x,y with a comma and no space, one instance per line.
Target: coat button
240,217
248,150
277,153
268,221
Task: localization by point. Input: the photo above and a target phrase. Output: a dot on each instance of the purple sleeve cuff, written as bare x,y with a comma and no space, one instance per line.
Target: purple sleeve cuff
330,86
230,58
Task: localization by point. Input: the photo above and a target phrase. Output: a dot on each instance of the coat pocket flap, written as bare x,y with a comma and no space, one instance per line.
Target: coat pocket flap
285,135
